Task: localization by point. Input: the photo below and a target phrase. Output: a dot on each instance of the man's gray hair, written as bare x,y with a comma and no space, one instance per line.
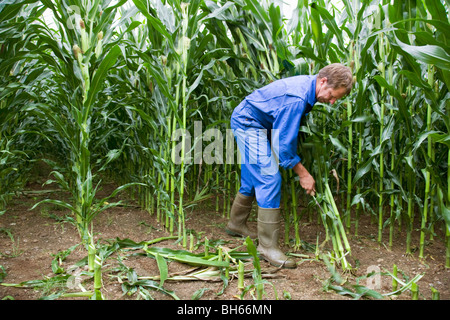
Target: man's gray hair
338,76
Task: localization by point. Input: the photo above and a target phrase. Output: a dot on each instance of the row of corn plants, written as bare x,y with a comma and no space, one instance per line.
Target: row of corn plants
77,54
389,138
129,90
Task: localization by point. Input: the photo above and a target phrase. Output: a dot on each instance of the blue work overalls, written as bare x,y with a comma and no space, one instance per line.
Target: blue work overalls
266,125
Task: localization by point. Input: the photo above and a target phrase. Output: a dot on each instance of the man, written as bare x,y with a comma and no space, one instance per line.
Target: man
266,126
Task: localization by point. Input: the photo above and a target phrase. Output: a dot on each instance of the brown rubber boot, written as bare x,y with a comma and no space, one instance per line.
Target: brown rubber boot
240,211
269,220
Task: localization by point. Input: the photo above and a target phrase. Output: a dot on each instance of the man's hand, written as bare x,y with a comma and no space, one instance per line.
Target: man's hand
306,180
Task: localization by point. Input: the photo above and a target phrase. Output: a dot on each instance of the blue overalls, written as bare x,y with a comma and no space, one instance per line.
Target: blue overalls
266,125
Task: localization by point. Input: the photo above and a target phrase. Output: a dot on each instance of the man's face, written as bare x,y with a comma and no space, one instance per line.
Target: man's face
326,94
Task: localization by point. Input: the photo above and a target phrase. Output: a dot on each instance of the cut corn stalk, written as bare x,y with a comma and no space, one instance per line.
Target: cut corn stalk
335,229
405,286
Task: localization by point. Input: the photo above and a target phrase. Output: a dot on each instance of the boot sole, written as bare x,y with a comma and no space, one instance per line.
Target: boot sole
235,234
283,266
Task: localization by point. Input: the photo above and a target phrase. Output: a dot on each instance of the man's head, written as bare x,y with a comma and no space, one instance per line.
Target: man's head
333,82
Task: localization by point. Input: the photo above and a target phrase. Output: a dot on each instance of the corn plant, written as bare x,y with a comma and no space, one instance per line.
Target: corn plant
79,55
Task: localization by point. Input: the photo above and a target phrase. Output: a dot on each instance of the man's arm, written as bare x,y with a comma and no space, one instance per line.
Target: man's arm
306,180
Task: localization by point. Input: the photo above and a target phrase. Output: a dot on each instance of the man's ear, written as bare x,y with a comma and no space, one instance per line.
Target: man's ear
323,81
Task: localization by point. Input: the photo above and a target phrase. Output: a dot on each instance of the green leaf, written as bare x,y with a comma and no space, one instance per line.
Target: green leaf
3,273
364,169
121,188
59,179
443,138
185,257
98,80
329,21
57,203
195,84
199,293
275,19
338,145
316,26
403,108
111,156
61,256
360,291
444,209
218,12
437,10
428,54
422,138
163,269
259,11
155,23
251,249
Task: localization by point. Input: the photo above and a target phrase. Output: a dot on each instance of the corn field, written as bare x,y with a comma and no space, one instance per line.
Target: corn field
140,92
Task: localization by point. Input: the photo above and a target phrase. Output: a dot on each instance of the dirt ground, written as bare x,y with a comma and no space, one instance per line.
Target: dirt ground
29,239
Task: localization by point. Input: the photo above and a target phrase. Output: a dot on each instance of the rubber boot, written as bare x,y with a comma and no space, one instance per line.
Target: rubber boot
240,211
269,220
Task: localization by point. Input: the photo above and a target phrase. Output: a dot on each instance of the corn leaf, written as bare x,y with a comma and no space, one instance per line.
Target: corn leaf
329,21
98,80
185,257
163,269
428,54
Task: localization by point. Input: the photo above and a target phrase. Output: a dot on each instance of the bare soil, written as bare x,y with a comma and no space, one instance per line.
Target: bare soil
37,237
